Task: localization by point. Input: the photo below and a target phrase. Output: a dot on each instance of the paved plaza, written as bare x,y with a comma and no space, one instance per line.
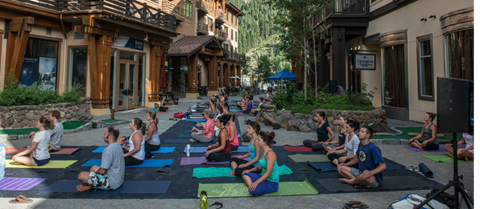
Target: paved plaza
443,172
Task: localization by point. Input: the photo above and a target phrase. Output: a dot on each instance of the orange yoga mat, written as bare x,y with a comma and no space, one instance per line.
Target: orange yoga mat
62,151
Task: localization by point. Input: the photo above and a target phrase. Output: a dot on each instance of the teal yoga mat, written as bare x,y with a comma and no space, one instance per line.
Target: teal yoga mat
214,172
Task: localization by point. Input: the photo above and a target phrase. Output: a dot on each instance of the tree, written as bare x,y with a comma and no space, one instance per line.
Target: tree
264,68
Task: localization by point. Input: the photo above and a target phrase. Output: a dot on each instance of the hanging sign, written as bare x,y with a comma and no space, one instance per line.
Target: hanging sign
129,42
364,61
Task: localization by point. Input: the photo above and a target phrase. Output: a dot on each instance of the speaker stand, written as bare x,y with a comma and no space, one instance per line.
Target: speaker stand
455,183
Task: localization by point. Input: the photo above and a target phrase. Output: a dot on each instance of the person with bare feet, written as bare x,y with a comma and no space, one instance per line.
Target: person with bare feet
220,151
429,131
110,174
351,145
370,163
56,134
238,163
462,153
207,135
330,147
38,151
255,111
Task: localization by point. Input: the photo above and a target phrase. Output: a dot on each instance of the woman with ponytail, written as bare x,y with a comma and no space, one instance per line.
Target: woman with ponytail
351,145
38,151
267,181
232,132
429,131
136,151
151,137
238,163
220,151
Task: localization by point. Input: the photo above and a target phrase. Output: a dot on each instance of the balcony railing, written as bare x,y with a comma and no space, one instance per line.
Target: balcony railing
202,28
219,16
220,35
349,7
202,5
129,9
171,8
232,55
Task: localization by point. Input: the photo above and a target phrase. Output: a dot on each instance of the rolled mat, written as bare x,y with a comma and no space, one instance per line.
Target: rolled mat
196,120
214,172
440,149
425,170
50,164
201,160
19,184
161,150
241,190
128,187
204,149
444,159
185,136
300,149
389,183
146,163
326,167
300,158
62,151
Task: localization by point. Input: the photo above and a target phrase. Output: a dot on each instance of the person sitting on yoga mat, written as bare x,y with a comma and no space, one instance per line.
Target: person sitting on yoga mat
162,107
213,106
151,137
255,111
323,130
223,97
220,151
217,98
341,138
38,151
351,145
267,181
429,131
3,151
136,151
269,97
249,107
207,134
219,111
370,163
242,102
110,174
462,153
56,135
232,132
225,106
238,163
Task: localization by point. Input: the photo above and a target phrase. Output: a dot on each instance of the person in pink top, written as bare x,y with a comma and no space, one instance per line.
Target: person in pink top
207,134
232,132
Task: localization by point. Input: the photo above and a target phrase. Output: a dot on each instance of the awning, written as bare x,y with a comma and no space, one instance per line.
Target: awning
283,75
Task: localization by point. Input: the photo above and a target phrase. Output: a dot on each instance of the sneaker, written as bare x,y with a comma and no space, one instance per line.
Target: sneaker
410,167
416,168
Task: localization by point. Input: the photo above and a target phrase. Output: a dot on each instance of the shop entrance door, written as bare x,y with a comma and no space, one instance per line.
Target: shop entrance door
126,85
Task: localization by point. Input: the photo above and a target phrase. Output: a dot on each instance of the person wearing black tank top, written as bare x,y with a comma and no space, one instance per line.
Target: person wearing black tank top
220,151
341,137
429,131
323,132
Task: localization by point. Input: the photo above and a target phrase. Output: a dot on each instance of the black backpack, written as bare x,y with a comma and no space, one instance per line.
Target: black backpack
279,106
444,198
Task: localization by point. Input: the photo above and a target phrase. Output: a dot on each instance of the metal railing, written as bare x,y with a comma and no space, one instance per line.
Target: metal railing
220,35
202,28
219,15
130,9
172,8
349,7
203,5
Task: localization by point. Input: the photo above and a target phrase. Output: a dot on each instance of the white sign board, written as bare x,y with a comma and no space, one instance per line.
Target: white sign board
364,61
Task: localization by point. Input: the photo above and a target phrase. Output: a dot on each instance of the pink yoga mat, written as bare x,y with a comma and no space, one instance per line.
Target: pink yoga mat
62,151
441,149
299,149
200,160
19,184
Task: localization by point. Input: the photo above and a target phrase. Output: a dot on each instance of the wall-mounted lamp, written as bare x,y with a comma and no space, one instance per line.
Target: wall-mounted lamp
433,16
423,19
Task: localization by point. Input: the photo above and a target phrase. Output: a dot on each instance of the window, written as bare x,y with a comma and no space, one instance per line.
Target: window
394,83
187,7
77,75
231,34
236,36
459,55
227,14
425,68
40,63
210,25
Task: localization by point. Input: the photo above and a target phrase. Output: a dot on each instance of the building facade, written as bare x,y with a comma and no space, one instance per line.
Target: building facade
399,47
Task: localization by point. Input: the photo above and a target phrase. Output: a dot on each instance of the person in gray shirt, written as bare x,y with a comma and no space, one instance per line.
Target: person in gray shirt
56,135
110,174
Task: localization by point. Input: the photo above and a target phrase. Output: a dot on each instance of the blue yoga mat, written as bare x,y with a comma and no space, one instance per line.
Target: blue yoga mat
235,110
185,136
197,120
161,150
146,163
204,149
177,141
245,115
128,187
326,167
425,170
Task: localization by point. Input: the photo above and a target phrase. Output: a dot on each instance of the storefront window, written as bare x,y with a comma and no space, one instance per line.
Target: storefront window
77,76
459,55
40,63
425,69
128,55
394,92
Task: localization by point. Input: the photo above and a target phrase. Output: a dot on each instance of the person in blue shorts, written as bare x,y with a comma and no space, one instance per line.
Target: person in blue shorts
370,163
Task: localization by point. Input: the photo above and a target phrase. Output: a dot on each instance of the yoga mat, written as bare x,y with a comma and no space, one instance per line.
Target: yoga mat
196,116
201,160
389,183
177,141
196,120
214,172
161,150
160,112
235,110
190,126
326,167
110,121
425,170
440,149
204,149
300,149
51,164
241,190
185,136
146,163
300,158
62,151
128,187
19,184
444,159
413,130
25,131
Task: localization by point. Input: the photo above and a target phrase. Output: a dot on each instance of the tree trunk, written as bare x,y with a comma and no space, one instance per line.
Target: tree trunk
315,62
305,64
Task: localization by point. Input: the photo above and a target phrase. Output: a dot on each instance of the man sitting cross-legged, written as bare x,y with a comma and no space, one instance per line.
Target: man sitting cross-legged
370,163
110,174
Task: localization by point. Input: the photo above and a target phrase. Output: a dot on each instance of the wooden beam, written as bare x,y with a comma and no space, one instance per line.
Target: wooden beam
43,21
25,9
153,78
17,43
16,24
10,47
220,81
192,74
212,74
103,54
92,60
226,78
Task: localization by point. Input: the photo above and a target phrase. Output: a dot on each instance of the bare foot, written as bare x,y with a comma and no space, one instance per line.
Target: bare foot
358,186
83,188
193,140
231,173
449,154
343,180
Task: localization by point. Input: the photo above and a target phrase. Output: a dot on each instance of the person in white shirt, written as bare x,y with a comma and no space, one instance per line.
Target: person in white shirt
462,153
135,154
56,135
3,151
38,151
346,154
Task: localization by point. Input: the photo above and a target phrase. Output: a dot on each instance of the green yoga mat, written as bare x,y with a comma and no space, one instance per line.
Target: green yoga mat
110,121
25,131
413,130
196,116
301,158
241,190
444,159
214,172
51,164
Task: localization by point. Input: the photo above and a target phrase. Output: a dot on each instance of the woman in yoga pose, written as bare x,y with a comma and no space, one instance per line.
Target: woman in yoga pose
462,153
341,138
267,181
249,107
207,134
429,131
232,132
351,145
323,130
255,111
38,151
136,152
151,137
238,163
225,106
162,107
220,151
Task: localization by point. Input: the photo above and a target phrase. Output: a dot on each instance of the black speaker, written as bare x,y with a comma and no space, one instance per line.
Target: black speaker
454,105
332,86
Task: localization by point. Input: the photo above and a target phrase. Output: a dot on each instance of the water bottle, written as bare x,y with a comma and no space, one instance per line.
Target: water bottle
188,150
203,199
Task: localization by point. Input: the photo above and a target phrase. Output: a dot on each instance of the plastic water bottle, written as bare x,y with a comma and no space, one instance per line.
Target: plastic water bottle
203,199
188,150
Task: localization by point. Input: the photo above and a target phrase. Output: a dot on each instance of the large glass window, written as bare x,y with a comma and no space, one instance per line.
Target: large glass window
425,68
40,63
77,74
394,83
459,55
187,7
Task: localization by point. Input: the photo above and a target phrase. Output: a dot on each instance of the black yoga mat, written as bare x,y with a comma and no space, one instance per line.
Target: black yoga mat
128,187
327,166
425,170
389,183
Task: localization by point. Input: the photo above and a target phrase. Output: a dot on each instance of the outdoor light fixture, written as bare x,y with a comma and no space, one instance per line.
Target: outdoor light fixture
423,19
433,16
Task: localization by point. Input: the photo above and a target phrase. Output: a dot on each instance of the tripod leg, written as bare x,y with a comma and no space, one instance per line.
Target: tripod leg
468,199
434,195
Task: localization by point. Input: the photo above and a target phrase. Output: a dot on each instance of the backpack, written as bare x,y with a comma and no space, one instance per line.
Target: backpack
178,115
411,200
279,106
444,197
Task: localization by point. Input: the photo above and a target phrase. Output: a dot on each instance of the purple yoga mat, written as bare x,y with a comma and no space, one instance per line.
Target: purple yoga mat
200,160
19,184
441,149
197,113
